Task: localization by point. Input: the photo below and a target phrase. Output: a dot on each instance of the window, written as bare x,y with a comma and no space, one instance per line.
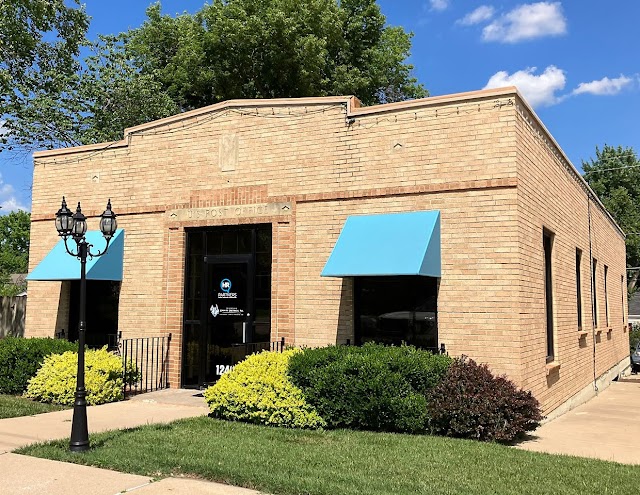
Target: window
622,288
594,296
393,310
547,241
606,295
579,287
103,302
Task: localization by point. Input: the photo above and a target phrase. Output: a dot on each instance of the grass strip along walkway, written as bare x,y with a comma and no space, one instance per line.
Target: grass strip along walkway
12,406
342,462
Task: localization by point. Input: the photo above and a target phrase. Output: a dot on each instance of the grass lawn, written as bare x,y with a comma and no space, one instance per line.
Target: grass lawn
341,462
12,406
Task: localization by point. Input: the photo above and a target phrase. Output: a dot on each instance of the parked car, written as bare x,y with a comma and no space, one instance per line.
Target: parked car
635,359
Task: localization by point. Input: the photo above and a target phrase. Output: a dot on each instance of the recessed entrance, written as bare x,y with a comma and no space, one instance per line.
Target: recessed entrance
227,312
103,297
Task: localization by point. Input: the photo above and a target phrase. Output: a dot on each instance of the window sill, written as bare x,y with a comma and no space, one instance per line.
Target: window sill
582,334
598,331
552,366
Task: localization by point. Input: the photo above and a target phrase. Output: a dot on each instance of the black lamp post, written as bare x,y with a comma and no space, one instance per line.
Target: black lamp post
75,226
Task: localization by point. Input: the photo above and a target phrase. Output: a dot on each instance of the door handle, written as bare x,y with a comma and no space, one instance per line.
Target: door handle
244,330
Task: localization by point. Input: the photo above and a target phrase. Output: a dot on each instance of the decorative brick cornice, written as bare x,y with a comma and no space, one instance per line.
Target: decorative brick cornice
222,197
508,182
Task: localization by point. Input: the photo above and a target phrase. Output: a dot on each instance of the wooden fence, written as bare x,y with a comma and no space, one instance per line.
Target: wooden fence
12,311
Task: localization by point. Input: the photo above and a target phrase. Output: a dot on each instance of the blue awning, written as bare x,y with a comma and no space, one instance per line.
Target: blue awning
390,244
59,265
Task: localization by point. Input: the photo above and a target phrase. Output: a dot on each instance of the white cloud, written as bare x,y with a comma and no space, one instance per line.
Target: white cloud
439,4
8,200
604,86
526,22
537,89
481,14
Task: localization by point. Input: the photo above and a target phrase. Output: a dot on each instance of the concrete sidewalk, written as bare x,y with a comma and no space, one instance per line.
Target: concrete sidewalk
607,427
25,475
155,407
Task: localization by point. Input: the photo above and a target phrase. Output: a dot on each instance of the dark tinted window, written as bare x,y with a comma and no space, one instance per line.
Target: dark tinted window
547,243
606,294
103,299
594,295
579,287
396,310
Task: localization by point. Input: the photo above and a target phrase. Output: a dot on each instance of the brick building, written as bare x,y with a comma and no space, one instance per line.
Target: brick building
454,220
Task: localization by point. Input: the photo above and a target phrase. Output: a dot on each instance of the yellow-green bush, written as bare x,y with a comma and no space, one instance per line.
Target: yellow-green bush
55,381
258,391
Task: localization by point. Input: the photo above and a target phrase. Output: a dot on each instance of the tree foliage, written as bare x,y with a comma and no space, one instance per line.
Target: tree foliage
94,104
39,44
276,48
614,175
229,49
14,248
117,94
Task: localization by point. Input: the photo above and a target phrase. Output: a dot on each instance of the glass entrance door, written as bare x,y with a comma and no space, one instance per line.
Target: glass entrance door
227,299
229,320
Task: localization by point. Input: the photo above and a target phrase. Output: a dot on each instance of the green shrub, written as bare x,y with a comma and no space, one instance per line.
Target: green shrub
55,382
472,403
373,387
21,358
258,390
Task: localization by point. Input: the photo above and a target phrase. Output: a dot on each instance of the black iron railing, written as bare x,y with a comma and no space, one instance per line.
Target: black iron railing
253,347
112,342
145,362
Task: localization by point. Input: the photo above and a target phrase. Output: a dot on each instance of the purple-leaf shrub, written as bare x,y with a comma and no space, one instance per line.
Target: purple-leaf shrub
470,402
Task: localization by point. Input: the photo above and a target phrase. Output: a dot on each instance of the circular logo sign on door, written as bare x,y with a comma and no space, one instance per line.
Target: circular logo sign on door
225,285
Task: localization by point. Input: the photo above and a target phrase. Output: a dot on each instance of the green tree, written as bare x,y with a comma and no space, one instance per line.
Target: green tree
94,104
229,49
39,43
117,95
276,48
614,175
14,248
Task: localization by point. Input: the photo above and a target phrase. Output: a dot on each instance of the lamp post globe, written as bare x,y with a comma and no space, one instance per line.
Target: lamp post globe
79,228
64,220
108,222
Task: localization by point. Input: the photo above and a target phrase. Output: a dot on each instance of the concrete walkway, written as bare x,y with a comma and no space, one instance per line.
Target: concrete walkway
27,475
24,475
156,407
607,427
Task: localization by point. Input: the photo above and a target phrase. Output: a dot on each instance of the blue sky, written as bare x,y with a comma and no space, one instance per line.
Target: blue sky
576,61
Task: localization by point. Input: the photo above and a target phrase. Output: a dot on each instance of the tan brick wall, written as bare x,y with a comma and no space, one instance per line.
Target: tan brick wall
47,301
477,312
551,197
473,157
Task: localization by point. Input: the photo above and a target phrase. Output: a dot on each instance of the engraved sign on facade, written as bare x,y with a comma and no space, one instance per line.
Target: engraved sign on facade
228,152
230,211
